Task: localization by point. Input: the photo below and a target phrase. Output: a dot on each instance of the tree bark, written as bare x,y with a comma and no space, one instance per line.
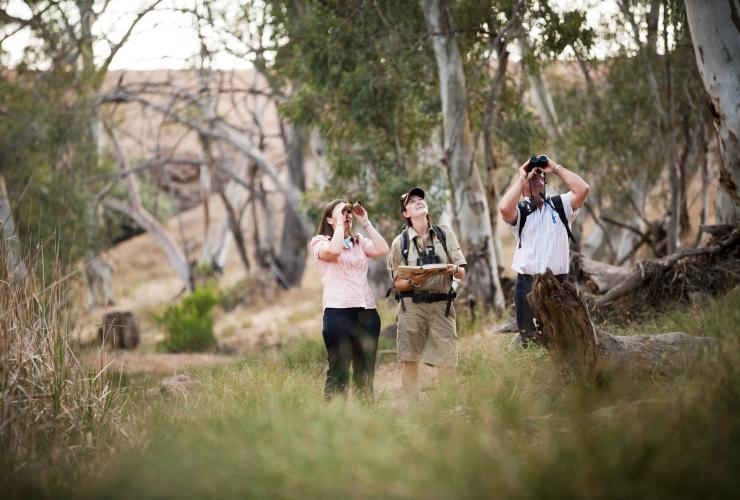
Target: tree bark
490,159
584,353
470,210
715,31
603,276
234,217
12,251
541,97
294,240
644,271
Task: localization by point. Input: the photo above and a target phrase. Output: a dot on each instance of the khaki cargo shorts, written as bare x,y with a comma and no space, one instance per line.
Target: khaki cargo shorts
426,334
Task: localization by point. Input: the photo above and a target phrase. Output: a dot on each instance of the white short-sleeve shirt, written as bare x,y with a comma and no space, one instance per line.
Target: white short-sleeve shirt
544,240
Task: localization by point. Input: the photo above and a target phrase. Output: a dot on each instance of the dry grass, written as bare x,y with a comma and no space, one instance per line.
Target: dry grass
55,412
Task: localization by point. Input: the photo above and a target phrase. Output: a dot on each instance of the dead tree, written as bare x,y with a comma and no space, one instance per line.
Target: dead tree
683,267
585,353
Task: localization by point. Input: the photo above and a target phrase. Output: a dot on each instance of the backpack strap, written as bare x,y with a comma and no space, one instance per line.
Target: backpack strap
452,294
525,208
405,257
557,203
442,237
405,246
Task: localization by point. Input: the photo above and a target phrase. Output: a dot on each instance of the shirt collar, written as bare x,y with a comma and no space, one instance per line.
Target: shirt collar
413,234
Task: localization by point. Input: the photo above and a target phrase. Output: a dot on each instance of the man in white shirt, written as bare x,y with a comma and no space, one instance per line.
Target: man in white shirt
540,231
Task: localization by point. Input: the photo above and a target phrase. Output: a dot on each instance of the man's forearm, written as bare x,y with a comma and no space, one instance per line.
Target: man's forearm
511,197
575,183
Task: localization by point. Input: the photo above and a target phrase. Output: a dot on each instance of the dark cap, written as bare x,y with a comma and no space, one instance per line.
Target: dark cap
405,197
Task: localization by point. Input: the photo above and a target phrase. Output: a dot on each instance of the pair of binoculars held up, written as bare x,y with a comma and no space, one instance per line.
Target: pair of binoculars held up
351,207
537,162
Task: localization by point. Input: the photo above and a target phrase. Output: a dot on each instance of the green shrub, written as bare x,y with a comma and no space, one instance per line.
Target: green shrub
309,352
189,324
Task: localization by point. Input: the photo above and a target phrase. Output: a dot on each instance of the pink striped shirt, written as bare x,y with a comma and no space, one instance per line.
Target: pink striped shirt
544,240
345,279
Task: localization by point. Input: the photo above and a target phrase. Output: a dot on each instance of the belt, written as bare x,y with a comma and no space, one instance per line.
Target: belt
426,297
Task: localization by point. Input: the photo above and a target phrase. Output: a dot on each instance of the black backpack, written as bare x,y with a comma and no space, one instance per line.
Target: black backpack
526,207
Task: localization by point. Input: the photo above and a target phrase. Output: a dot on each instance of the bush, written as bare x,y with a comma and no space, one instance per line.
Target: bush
189,324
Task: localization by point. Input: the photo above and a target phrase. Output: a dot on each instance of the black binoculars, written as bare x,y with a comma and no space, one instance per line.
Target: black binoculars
430,258
537,162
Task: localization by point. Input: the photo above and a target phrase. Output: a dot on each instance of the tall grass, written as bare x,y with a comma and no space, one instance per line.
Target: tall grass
510,429
54,411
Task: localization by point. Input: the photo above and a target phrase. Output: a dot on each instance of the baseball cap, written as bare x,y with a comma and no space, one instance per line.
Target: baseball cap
414,191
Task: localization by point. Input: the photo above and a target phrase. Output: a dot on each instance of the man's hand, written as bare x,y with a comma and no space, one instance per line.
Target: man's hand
523,175
550,168
576,184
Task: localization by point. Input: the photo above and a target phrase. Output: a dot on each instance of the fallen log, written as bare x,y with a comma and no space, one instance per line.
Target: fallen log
601,277
585,353
650,270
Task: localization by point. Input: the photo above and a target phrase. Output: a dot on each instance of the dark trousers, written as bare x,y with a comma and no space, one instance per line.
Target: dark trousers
351,338
525,322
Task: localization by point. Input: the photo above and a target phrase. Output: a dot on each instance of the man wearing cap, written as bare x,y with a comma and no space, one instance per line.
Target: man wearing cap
427,330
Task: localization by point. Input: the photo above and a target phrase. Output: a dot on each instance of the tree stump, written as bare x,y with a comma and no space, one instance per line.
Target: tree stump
119,330
585,353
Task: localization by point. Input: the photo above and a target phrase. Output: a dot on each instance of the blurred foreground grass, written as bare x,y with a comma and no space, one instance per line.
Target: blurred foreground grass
260,429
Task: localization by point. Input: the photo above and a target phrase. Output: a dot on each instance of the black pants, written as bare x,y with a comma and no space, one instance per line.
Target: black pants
524,317
351,338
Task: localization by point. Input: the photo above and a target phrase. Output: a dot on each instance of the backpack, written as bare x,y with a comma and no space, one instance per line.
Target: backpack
526,207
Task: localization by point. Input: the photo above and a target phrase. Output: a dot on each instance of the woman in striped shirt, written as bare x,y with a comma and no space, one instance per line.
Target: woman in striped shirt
351,321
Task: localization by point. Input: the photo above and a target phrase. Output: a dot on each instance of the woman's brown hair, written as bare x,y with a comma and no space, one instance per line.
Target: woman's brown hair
325,229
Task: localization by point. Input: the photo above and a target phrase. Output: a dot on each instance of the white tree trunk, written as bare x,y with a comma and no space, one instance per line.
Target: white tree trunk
99,275
541,97
715,32
469,203
16,266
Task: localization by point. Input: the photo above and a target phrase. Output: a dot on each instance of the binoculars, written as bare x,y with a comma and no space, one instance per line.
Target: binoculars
537,162
351,207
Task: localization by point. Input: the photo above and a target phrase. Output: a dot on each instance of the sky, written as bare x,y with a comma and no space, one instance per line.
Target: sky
166,39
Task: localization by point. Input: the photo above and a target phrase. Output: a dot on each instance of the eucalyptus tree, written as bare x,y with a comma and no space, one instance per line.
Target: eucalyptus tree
49,134
635,123
715,32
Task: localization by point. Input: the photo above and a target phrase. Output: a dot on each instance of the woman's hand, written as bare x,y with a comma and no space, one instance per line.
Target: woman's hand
338,215
361,214
451,269
418,279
